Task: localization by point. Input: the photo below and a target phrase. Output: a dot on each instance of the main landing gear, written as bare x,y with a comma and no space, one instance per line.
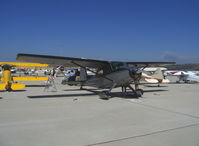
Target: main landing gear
139,92
106,94
136,92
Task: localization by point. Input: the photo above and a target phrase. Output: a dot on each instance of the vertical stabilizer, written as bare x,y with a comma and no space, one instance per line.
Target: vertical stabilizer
158,74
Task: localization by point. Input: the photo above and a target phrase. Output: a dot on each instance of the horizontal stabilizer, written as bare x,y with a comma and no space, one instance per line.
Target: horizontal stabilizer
2,86
151,80
17,86
30,78
165,81
13,86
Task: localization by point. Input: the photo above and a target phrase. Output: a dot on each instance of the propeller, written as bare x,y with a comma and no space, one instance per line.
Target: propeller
134,72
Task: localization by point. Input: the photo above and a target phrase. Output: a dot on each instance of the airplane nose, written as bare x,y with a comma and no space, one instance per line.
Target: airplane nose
135,74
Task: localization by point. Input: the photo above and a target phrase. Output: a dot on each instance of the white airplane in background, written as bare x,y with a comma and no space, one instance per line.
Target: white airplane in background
153,69
157,77
185,76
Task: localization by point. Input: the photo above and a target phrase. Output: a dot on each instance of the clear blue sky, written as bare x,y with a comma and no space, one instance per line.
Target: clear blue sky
123,30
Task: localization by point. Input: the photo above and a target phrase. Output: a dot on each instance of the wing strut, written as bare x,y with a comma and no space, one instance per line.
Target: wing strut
91,71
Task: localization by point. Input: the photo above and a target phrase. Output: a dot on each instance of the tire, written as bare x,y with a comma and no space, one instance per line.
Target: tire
139,93
140,90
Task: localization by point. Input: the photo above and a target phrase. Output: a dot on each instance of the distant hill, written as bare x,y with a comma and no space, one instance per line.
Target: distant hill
185,67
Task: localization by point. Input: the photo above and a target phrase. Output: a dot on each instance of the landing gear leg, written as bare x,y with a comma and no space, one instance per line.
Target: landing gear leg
81,88
138,92
106,94
124,89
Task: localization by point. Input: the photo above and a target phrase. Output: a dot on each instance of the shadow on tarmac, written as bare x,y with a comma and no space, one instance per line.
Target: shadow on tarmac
126,95
61,95
156,86
35,85
13,91
158,90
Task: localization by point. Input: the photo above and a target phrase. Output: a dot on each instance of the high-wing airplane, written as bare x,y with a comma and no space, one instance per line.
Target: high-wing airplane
157,77
108,74
9,82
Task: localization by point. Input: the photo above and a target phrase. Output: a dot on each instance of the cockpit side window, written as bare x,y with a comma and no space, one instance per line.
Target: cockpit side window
113,66
104,70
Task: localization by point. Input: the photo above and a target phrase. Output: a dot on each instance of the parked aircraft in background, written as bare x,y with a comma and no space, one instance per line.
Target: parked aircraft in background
9,82
153,69
185,76
157,77
108,75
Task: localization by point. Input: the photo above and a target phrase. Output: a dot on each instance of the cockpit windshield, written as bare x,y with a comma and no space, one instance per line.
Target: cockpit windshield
117,65
113,66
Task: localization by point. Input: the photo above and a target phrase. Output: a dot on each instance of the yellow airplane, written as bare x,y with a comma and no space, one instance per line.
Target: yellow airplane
8,82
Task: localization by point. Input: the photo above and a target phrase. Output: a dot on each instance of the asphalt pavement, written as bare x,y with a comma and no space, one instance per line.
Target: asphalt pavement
166,116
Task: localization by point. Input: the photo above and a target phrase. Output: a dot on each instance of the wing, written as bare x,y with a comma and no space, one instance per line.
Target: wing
24,64
65,61
30,78
74,62
147,64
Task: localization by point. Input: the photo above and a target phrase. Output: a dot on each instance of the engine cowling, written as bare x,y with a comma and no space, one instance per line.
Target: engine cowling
135,74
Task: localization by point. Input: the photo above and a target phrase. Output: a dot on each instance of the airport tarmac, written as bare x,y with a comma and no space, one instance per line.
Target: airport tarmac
166,116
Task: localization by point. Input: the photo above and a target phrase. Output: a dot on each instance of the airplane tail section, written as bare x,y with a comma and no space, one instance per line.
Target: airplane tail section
158,74
157,77
2,86
17,86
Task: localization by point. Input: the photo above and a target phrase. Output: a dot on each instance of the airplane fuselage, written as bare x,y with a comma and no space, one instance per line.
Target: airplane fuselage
120,78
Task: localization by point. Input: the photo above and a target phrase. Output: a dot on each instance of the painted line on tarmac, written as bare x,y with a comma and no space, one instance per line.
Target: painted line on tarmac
143,135
139,102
